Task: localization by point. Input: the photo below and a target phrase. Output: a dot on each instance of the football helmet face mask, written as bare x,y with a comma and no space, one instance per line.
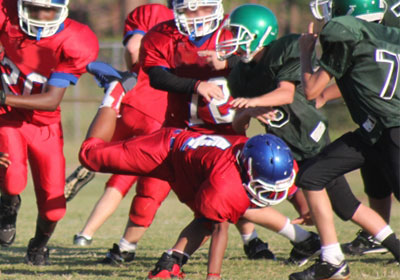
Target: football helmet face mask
41,28
368,10
252,27
199,26
267,169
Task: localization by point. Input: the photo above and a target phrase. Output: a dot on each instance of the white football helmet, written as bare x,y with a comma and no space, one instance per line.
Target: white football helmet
197,26
321,9
39,28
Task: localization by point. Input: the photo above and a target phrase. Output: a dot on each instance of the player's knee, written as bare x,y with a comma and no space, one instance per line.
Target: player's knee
143,210
304,180
53,215
14,183
345,211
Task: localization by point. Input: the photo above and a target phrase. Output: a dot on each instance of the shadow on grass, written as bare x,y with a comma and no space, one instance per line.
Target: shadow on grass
72,261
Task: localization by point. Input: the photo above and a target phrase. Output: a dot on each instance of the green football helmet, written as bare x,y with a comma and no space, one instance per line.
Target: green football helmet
252,27
369,10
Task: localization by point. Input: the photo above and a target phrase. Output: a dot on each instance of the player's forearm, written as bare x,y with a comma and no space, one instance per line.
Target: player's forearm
241,121
219,240
162,79
44,101
277,97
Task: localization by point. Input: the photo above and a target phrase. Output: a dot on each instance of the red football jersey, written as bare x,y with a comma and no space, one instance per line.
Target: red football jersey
164,46
143,97
202,169
28,65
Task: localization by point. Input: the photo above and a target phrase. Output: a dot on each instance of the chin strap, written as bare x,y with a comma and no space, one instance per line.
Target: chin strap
39,34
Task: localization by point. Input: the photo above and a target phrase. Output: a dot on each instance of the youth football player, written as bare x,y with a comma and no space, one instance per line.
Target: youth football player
373,100
179,57
43,53
260,172
142,112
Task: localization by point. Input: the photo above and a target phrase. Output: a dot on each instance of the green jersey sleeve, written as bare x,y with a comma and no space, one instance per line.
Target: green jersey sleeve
337,43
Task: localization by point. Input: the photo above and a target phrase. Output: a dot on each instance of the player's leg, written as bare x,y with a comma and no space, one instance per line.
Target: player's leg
48,171
379,200
116,189
253,246
115,84
130,123
192,237
150,193
306,245
336,159
13,180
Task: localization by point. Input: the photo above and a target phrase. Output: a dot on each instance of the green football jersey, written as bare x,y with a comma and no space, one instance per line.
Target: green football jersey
364,57
392,14
299,124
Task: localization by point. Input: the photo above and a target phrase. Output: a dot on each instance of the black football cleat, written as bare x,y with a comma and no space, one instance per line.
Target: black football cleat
305,250
8,220
257,249
322,270
167,267
116,257
37,256
363,244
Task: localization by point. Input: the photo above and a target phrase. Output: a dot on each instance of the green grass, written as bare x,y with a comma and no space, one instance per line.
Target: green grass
73,262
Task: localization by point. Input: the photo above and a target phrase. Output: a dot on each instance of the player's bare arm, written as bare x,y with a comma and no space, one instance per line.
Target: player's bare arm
283,94
330,93
219,240
47,101
299,202
243,116
132,50
313,82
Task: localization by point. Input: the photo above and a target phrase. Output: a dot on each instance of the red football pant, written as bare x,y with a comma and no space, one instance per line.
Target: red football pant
43,147
150,192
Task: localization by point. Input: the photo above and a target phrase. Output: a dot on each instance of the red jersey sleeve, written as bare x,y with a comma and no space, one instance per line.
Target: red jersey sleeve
157,46
79,49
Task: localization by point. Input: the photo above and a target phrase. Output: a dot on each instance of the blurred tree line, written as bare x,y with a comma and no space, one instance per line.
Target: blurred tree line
106,17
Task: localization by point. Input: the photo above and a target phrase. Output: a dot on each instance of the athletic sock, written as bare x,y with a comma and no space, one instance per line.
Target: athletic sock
332,254
294,232
126,246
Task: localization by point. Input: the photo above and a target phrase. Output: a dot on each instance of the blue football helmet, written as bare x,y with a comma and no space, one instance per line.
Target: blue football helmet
268,164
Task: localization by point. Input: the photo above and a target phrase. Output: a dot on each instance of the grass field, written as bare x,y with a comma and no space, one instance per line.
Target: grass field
73,262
